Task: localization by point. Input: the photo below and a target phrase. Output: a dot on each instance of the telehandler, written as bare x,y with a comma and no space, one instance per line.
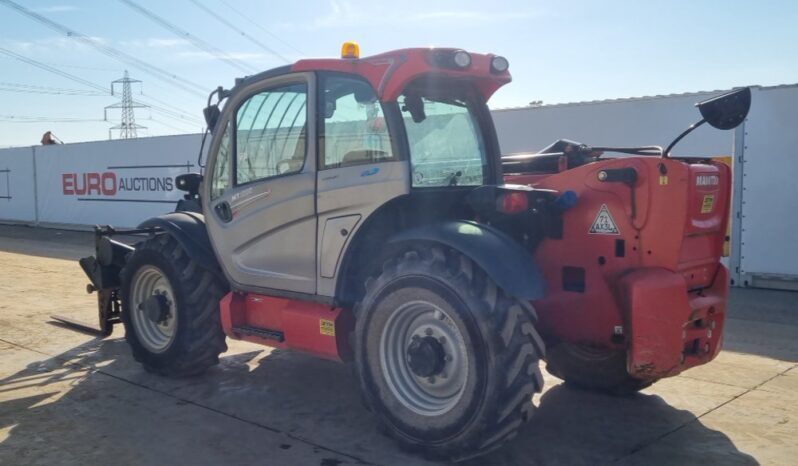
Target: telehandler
359,209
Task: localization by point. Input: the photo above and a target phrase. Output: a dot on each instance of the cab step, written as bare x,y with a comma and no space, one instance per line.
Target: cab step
260,332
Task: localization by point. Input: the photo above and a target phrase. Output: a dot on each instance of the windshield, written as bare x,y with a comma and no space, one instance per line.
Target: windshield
446,146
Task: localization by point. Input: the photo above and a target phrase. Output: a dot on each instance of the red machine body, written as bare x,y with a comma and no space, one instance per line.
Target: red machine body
298,325
389,73
655,285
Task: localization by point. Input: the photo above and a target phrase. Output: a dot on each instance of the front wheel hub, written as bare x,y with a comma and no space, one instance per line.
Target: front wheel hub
156,308
426,357
153,309
423,358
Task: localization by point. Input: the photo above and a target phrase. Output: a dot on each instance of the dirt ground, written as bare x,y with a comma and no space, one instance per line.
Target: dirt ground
69,398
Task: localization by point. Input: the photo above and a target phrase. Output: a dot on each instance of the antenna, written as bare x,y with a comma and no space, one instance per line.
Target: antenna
127,127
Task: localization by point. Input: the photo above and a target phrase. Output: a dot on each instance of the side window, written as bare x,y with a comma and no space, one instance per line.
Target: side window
221,167
270,133
354,125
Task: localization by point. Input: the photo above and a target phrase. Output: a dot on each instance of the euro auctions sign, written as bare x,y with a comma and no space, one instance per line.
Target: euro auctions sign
121,182
109,183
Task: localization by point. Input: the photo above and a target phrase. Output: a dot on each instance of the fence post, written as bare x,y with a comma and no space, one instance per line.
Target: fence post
35,188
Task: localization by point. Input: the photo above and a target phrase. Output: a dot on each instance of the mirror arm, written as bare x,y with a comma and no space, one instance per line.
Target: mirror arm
667,153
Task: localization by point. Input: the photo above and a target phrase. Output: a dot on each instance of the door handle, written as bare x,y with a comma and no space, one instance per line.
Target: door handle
224,211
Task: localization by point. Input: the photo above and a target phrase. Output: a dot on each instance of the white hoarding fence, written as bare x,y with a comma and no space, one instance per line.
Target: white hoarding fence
641,121
120,182
17,195
769,197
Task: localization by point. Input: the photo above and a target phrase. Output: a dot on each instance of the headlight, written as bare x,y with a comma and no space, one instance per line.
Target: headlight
448,58
499,64
462,59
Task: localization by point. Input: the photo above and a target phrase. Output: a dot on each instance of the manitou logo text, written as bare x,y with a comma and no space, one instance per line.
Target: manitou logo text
108,184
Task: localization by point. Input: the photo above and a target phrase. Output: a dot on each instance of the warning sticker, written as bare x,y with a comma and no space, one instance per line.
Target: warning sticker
604,223
327,327
663,180
708,204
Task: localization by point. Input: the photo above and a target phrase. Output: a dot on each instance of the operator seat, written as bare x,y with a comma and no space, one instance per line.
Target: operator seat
297,161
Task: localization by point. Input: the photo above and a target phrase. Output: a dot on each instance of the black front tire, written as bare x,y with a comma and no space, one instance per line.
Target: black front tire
499,338
199,338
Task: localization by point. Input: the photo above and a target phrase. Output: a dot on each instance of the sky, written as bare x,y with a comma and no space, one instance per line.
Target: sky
559,51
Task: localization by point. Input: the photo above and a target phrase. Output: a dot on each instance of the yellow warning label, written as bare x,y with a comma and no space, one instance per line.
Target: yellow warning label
663,180
327,327
708,204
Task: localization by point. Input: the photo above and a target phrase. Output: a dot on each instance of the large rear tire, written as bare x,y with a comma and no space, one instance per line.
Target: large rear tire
446,360
170,309
595,369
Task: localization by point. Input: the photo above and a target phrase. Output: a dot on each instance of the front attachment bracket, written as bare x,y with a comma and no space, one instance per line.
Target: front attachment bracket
103,271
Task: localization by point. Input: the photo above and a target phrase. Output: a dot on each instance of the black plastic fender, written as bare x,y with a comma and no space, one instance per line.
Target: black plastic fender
188,229
506,262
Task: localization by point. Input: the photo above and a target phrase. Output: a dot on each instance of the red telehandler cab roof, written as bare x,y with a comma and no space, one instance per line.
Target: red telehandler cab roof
391,72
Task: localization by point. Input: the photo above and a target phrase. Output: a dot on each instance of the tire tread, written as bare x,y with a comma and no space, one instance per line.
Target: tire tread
204,341
509,320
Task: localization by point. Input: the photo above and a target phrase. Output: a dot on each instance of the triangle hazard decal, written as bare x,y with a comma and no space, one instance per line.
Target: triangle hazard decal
604,224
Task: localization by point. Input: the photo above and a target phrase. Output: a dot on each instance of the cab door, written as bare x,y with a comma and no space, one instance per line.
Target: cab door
260,208
360,168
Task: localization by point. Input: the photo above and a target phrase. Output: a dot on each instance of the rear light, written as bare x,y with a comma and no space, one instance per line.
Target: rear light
512,203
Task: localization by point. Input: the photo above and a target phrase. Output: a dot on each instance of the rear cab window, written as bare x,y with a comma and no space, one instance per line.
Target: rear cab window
444,137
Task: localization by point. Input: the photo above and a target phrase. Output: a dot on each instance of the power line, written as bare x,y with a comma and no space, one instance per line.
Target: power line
171,114
196,41
30,89
242,33
257,25
177,81
33,91
178,115
51,69
48,88
90,68
45,119
165,104
167,125
83,67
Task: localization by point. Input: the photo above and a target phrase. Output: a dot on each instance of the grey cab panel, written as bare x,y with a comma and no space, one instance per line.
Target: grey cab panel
261,215
354,191
334,235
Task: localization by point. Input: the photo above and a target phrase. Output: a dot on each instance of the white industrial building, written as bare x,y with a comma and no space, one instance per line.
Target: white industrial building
55,185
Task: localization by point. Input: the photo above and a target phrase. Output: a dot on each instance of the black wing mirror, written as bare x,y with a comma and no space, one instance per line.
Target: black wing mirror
189,182
211,113
725,111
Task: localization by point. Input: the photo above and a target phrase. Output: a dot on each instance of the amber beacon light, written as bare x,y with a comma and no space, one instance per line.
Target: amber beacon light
350,50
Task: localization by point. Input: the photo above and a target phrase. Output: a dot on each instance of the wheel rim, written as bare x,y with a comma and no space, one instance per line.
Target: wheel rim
155,333
423,358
